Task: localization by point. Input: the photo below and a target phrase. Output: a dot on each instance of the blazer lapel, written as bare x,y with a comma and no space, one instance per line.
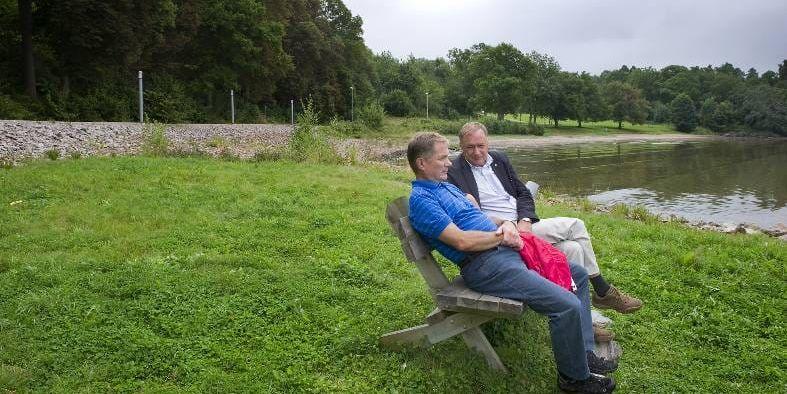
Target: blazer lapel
502,175
469,178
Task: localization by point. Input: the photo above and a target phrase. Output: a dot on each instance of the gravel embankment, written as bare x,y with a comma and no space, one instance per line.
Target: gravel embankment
20,139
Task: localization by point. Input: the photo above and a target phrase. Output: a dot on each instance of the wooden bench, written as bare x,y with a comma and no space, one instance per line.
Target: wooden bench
459,310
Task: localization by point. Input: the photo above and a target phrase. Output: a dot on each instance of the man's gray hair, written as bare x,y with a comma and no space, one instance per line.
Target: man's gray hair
470,127
422,145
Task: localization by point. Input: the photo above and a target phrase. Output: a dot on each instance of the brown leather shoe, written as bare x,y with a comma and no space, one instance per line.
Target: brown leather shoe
617,300
602,334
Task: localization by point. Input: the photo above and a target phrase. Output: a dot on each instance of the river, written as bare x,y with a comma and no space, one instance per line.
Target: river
720,181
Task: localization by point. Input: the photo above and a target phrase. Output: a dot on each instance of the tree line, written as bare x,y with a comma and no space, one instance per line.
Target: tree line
78,60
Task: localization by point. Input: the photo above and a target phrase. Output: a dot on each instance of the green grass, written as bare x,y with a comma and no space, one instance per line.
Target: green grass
192,274
400,130
607,127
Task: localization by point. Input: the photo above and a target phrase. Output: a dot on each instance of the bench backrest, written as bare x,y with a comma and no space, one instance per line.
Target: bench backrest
414,247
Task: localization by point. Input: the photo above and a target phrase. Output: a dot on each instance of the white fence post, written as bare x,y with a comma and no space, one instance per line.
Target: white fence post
141,101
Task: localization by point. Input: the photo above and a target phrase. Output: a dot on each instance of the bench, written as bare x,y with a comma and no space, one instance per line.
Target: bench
458,309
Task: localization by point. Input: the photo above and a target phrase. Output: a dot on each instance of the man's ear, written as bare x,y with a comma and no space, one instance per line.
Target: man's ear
419,164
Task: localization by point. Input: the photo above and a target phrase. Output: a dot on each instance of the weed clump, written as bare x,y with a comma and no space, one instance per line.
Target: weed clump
52,154
154,139
268,154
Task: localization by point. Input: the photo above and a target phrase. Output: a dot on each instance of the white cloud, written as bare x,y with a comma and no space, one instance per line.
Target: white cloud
586,35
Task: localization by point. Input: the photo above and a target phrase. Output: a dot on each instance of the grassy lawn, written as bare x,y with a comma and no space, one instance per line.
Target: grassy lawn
192,274
398,130
607,127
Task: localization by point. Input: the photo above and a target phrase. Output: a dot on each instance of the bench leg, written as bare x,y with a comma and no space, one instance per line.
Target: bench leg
476,340
428,334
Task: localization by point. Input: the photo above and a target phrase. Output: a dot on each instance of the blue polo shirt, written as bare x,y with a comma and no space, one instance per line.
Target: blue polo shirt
434,205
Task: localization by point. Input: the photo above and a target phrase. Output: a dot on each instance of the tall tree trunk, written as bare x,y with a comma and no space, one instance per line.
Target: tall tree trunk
500,115
29,71
556,125
580,123
620,124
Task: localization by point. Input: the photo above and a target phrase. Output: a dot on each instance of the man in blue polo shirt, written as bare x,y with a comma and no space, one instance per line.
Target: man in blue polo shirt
487,254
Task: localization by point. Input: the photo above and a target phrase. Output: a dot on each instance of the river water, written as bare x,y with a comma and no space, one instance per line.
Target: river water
720,181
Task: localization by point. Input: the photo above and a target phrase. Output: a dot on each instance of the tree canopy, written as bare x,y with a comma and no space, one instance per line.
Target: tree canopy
78,60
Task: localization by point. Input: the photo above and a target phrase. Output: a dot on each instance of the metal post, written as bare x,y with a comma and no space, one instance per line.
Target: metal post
141,101
352,104
232,105
427,105
292,112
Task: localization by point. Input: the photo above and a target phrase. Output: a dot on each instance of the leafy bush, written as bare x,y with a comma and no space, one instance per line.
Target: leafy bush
248,113
660,113
307,142
342,128
11,109
166,101
684,117
723,117
442,126
764,109
535,129
372,115
495,126
75,155
154,139
398,103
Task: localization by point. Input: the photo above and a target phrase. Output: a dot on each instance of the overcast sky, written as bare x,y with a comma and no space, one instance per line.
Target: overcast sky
586,35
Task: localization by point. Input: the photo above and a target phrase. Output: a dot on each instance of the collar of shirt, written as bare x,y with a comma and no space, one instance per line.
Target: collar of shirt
426,183
487,163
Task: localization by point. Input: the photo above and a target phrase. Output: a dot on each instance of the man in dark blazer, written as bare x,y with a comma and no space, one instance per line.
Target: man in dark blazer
490,179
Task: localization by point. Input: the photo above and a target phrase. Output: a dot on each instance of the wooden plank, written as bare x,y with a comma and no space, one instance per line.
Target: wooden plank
413,336
475,339
454,325
459,298
436,315
427,335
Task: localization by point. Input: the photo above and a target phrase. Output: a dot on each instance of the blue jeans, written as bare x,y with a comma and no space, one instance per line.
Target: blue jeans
501,272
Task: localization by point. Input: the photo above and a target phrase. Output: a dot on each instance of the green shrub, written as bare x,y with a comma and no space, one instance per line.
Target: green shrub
398,103
535,129
372,115
684,116
495,126
154,139
52,154
308,143
75,155
11,109
166,101
343,128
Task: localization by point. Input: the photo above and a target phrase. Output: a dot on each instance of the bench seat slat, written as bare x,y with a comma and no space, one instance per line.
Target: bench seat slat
458,298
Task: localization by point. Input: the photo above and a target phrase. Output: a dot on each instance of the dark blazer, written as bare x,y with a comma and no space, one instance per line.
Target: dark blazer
461,175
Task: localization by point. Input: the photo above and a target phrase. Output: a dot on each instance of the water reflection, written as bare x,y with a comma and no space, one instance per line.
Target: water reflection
720,181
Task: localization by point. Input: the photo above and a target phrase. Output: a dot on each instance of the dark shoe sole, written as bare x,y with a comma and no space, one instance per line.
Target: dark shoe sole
624,311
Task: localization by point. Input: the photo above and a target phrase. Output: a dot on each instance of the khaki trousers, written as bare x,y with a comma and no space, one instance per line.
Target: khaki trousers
571,237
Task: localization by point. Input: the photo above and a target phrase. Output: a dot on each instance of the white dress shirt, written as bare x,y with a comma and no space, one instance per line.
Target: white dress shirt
494,199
